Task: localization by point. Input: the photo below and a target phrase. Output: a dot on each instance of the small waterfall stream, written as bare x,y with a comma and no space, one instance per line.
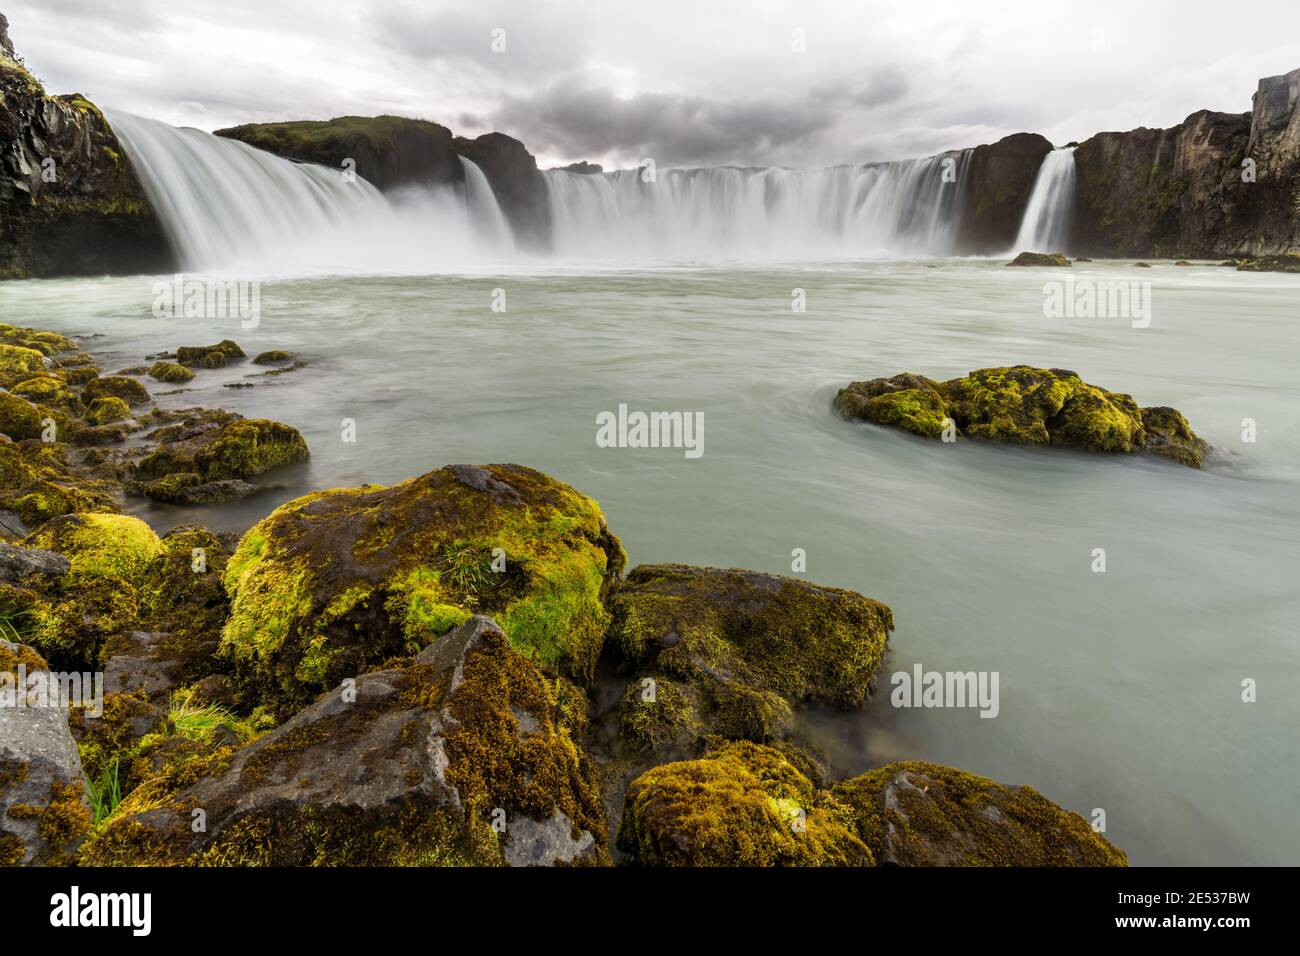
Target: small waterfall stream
1046,225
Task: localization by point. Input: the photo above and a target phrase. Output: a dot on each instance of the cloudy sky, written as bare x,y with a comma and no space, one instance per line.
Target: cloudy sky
687,82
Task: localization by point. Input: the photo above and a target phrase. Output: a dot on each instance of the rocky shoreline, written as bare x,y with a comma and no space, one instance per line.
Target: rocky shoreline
455,669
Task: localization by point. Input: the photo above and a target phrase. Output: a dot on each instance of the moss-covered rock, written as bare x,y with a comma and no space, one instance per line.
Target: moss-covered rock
209,356
242,448
19,362
1288,262
1169,436
170,372
741,805
272,357
20,418
105,411
798,640
37,483
336,581
49,389
923,814
1041,259
100,545
1020,405
115,386
458,756
39,340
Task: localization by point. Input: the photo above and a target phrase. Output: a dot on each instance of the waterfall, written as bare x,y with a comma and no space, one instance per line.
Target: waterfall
1046,225
880,210
228,207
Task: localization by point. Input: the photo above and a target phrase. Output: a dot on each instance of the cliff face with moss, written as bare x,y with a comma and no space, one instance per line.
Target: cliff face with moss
69,202
389,151
1189,190
997,182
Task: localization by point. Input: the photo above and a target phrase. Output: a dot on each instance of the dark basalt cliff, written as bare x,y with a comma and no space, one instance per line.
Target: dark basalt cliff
389,151
519,186
392,152
1188,191
69,202
996,185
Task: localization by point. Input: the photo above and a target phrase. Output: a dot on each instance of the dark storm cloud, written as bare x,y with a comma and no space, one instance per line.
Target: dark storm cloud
572,119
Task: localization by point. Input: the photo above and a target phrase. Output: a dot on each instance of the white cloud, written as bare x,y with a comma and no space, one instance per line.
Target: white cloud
686,82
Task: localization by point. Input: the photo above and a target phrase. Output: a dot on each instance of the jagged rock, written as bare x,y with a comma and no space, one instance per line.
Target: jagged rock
583,167
923,814
412,764
70,204
43,810
138,662
17,563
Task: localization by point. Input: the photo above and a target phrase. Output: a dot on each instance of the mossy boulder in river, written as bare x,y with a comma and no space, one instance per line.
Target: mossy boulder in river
923,814
19,362
242,448
209,356
170,372
115,386
778,635
1041,259
741,805
1023,405
339,580
462,755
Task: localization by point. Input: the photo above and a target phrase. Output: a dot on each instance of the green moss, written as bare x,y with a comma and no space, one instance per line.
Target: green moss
170,372
1169,436
741,805
247,448
935,815
20,419
1019,405
781,635
100,545
344,578
115,386
19,362
272,356
104,411
651,722
209,356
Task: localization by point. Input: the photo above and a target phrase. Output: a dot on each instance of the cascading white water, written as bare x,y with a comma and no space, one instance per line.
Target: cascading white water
884,210
227,207
1046,225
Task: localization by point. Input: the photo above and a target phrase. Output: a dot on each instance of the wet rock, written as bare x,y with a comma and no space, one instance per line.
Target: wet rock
922,814
410,765
139,662
1289,262
188,488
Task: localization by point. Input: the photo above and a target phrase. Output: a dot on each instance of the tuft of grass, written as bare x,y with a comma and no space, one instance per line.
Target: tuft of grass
14,624
466,567
106,792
